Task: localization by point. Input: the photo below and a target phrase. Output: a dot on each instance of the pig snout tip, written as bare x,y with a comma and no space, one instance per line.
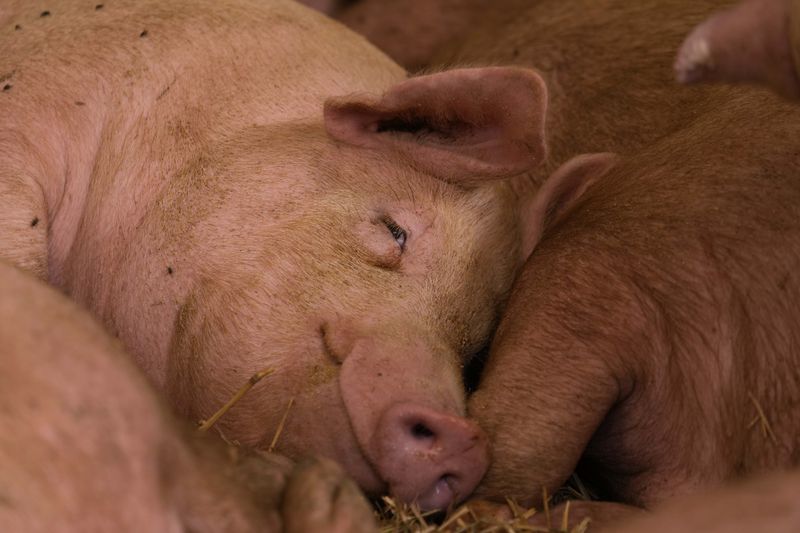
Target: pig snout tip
433,458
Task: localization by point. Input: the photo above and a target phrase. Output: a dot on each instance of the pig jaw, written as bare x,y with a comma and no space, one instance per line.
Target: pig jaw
412,432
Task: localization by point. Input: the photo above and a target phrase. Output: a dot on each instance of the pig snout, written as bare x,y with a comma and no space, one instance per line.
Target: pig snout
404,397
433,458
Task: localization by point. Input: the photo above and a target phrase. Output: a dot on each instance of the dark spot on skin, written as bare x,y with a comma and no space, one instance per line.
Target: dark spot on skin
7,87
78,102
98,7
143,34
45,14
34,222
169,270
17,27
380,375
515,52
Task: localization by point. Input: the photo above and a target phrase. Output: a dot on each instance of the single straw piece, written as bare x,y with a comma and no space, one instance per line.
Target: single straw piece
205,425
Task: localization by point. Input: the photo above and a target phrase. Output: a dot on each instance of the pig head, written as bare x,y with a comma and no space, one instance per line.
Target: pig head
272,192
373,293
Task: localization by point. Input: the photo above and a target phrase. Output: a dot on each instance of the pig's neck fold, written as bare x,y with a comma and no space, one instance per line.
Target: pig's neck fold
67,190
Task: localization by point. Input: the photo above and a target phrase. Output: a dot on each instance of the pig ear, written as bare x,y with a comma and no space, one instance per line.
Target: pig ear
560,193
460,125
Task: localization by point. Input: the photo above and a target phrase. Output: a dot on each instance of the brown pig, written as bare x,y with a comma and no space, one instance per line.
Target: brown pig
87,446
237,185
651,339
756,41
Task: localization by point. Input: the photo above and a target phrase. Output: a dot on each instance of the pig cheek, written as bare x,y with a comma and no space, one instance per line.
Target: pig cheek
317,423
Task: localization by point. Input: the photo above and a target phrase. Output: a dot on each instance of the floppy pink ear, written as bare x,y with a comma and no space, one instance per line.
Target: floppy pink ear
559,194
462,125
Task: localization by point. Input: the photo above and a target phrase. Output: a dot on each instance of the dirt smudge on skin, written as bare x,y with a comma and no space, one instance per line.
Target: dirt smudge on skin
319,375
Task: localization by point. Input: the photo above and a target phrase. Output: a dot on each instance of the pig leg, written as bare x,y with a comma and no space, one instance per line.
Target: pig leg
313,495
757,41
320,497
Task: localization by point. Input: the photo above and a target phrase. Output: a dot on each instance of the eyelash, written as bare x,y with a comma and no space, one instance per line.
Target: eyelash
397,232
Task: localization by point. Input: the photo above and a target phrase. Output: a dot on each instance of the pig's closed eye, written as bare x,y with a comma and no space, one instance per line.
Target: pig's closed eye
397,232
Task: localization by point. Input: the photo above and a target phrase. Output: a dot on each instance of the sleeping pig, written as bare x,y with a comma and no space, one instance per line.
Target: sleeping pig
651,338
237,185
87,445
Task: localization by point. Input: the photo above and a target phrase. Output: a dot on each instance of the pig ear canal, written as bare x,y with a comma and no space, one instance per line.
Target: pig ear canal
560,193
464,125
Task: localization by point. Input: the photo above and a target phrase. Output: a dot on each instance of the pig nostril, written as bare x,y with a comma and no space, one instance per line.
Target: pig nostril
421,431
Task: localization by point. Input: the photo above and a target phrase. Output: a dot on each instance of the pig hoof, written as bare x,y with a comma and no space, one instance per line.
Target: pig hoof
319,497
695,61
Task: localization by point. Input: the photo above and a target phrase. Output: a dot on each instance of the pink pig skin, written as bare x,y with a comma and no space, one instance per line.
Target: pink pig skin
89,447
237,185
